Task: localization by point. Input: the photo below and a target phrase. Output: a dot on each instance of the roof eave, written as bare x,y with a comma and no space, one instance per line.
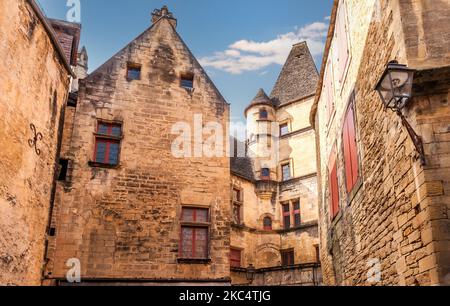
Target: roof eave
52,37
312,117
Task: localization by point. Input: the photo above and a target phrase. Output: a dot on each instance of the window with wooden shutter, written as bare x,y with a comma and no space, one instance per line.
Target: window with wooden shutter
343,51
351,159
235,258
333,185
287,257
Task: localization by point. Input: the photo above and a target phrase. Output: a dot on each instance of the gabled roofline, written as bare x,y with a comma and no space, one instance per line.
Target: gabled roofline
52,36
331,29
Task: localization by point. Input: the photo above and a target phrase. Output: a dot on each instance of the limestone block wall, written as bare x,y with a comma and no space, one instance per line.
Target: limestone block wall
397,221
124,222
34,86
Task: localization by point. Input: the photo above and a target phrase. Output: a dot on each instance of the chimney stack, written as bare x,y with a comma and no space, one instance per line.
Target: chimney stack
163,13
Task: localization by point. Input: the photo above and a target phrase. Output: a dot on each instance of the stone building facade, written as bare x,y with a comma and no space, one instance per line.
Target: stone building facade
384,216
32,107
128,209
274,190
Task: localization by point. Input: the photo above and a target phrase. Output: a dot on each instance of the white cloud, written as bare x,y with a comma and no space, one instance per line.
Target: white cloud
248,55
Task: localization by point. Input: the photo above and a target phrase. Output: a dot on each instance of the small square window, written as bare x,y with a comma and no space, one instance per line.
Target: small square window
284,129
187,81
263,114
133,72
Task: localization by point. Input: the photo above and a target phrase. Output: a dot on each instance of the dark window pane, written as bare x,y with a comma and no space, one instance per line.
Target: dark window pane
113,153
103,129
287,222
263,114
116,131
265,172
201,215
201,243
187,83
100,156
267,224
134,73
188,215
297,206
286,208
187,236
297,220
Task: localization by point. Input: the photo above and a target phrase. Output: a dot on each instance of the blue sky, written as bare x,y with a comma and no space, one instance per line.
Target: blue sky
242,44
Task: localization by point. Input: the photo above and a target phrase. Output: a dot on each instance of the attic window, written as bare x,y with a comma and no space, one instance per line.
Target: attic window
187,81
133,72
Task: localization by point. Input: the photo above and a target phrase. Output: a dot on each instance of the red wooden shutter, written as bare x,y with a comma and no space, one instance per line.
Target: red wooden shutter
334,187
350,150
235,258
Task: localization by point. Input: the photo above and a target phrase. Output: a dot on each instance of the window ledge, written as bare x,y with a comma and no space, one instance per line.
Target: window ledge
101,165
193,261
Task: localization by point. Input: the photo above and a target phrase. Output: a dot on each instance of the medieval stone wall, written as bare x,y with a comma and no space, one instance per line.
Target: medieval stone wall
397,222
124,222
34,86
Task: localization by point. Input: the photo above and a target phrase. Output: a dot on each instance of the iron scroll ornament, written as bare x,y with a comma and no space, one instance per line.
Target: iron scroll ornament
37,137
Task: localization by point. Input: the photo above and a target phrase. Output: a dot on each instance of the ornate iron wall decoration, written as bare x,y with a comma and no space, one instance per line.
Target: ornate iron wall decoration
37,137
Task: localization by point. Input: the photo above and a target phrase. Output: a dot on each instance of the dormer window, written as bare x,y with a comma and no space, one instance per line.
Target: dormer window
263,114
187,81
133,72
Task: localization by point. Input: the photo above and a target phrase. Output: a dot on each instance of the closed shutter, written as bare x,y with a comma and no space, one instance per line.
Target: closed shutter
350,149
333,185
342,36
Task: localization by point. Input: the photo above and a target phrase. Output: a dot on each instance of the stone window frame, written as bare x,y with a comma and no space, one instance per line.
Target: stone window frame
133,66
286,123
292,214
263,110
290,163
351,102
204,225
264,177
118,139
266,227
187,76
239,203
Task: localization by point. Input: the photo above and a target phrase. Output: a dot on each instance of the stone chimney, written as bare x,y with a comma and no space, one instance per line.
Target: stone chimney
163,13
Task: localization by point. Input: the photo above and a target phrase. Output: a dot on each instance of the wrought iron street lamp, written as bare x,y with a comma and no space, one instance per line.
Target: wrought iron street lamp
395,89
250,274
